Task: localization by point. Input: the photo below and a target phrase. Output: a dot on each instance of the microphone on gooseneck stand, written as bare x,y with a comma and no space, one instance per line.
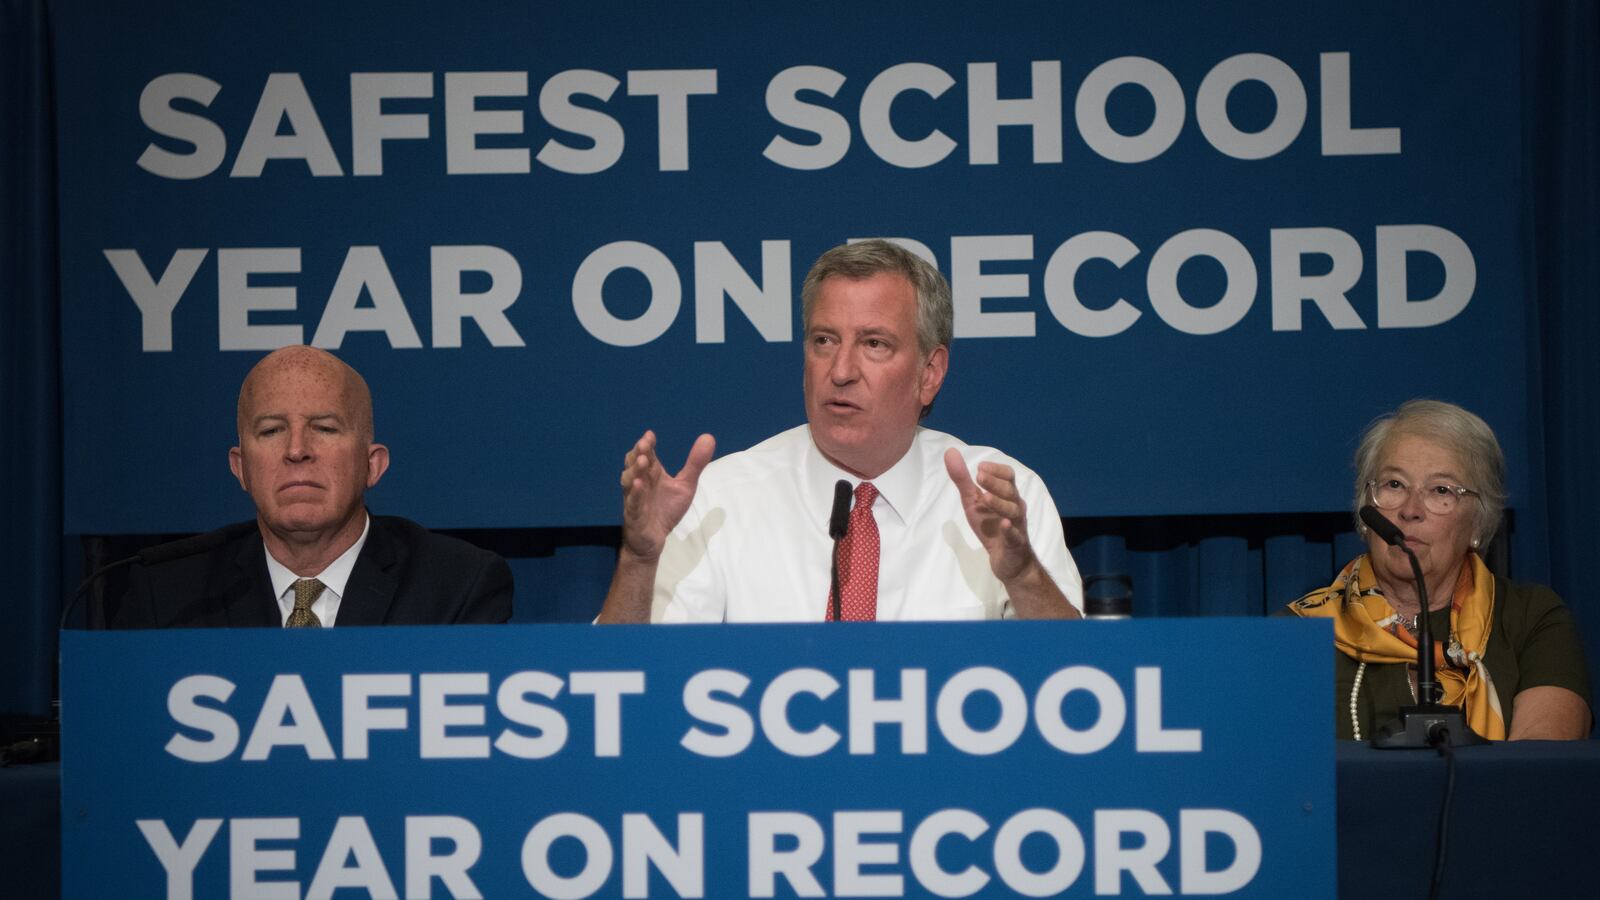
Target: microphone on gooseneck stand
48,748
160,553
1429,723
1427,685
1382,527
838,523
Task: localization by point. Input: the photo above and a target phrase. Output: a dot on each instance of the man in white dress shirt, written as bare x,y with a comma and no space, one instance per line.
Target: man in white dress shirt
965,532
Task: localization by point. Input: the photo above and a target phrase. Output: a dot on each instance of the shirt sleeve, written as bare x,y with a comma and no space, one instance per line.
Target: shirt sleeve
1048,540
687,587
1549,652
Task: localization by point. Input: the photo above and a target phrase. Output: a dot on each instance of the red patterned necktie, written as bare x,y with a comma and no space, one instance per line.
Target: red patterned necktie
858,561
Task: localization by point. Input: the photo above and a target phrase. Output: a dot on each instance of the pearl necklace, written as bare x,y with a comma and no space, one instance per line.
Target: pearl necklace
1355,721
1361,672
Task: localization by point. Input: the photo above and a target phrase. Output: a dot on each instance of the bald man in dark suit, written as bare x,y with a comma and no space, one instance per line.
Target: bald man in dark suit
314,557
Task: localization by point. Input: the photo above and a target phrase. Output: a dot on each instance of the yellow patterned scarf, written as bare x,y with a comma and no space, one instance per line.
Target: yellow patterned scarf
1364,629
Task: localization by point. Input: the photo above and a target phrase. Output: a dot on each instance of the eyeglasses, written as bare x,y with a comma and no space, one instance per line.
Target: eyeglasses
1439,498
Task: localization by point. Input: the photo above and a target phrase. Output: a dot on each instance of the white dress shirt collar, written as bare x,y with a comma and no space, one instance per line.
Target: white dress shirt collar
334,580
899,487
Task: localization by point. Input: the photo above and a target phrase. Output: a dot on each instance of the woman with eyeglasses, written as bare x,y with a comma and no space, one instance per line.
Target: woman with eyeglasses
1512,660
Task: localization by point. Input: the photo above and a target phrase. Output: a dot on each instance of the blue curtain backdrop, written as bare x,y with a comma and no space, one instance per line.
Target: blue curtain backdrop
1177,565
1561,135
30,439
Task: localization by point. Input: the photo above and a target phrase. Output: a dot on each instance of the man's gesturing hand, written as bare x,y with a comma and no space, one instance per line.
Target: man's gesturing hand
999,516
996,512
652,501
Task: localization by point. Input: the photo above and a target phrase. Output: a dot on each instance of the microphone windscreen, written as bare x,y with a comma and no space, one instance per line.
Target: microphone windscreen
840,520
1381,526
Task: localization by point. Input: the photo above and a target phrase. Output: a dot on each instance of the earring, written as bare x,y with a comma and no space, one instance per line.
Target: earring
1475,543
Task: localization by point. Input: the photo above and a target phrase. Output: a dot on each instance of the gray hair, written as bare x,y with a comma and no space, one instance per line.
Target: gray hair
1463,434
864,259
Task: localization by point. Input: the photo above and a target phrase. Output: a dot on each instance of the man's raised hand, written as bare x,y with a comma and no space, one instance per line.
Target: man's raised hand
996,512
653,502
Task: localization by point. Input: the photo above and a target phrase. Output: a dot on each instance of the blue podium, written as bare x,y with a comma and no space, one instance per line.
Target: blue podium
953,760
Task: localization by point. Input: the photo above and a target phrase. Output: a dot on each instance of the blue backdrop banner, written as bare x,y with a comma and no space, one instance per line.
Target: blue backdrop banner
1035,759
1194,249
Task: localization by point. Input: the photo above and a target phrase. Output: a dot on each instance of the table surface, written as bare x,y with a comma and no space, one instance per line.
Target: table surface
1524,819
30,830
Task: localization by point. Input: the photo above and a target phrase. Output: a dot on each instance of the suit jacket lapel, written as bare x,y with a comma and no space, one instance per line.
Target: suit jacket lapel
373,580
251,601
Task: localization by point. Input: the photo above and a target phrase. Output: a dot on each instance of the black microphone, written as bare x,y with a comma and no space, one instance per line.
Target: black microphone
840,520
1382,527
161,553
1427,685
1428,723
838,524
49,749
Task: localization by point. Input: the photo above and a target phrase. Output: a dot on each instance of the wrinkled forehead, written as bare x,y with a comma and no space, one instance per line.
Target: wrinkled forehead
887,297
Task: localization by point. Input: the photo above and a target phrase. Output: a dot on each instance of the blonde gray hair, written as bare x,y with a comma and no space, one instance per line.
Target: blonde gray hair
1463,434
864,259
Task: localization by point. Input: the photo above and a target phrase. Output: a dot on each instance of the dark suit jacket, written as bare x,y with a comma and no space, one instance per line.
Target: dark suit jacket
404,575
